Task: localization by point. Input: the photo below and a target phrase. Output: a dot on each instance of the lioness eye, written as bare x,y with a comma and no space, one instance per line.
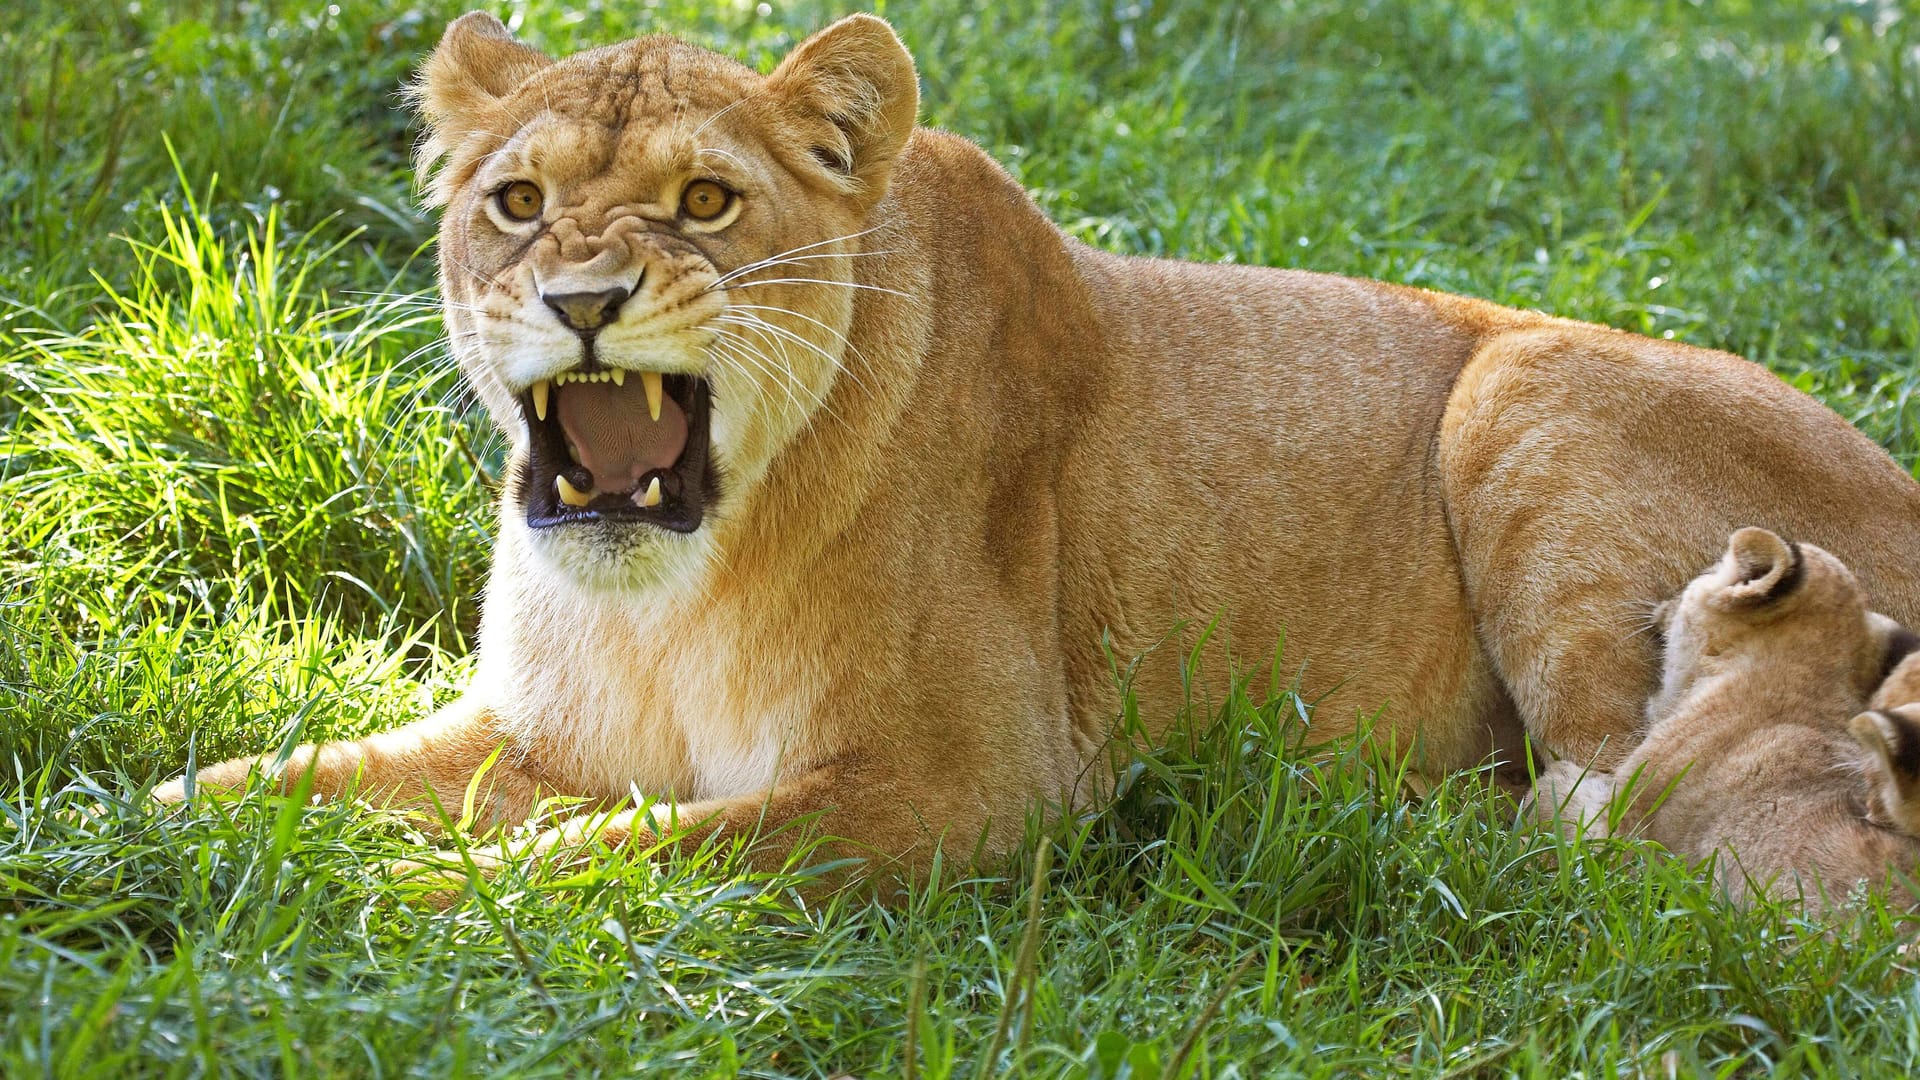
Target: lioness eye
704,200
521,201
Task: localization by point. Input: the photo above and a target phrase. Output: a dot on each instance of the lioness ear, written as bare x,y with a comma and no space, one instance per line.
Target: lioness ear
1891,739
857,75
1765,569
476,64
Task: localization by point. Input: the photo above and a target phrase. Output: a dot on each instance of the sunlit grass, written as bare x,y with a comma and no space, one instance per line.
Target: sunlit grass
243,500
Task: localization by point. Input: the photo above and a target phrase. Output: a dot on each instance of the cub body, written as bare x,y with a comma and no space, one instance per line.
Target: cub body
1750,756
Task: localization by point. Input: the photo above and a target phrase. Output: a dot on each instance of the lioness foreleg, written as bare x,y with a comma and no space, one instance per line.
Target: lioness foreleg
411,768
885,831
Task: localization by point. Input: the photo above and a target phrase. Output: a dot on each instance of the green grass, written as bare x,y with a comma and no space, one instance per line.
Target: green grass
241,496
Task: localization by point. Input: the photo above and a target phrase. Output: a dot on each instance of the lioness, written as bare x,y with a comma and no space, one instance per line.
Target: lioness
1750,754
833,462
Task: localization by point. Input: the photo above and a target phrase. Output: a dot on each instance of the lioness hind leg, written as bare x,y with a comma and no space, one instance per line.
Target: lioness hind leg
1590,474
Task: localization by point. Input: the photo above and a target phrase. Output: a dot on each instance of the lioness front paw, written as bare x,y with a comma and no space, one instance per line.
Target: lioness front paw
435,885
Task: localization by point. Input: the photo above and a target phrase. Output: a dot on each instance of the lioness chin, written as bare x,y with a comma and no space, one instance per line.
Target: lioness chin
834,463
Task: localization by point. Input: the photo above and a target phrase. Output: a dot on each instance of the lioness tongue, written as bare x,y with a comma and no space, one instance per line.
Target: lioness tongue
612,435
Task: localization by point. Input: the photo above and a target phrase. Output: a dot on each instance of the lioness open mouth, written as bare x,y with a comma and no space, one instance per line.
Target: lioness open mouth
607,444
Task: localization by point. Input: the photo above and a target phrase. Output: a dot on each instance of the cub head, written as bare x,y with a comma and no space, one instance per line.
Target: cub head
1891,763
648,256
1791,607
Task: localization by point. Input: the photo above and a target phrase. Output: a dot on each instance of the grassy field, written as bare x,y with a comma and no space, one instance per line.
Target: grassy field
242,497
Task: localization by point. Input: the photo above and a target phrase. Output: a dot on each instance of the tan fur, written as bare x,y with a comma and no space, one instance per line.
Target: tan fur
1902,685
1891,738
982,446
1749,756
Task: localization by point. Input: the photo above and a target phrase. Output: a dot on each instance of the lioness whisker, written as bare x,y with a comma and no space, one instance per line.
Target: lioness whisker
717,152
768,264
738,318
795,255
743,360
846,344
773,259
704,124
782,373
404,301
755,321
452,399
824,281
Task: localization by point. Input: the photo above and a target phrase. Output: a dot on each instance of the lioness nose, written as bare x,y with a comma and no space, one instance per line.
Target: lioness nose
587,311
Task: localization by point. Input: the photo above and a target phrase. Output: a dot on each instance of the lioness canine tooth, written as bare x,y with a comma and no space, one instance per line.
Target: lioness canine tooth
540,391
652,497
656,386
571,495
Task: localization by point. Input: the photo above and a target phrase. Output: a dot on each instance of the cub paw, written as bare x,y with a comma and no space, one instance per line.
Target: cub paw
1572,798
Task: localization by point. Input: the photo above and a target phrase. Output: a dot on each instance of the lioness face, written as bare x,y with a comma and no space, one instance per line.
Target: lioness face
646,254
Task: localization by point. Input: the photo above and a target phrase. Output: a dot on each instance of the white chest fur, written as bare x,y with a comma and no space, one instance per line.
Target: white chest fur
612,692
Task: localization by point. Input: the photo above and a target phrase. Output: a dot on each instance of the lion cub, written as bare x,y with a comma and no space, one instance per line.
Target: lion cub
1749,753
1889,731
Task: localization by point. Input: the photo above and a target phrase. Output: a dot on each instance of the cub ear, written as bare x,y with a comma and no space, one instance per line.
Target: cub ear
1899,666
1765,569
476,64
858,75
1891,739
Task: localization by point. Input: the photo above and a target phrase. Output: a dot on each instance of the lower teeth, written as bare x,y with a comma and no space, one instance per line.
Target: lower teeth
650,497
644,497
571,495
